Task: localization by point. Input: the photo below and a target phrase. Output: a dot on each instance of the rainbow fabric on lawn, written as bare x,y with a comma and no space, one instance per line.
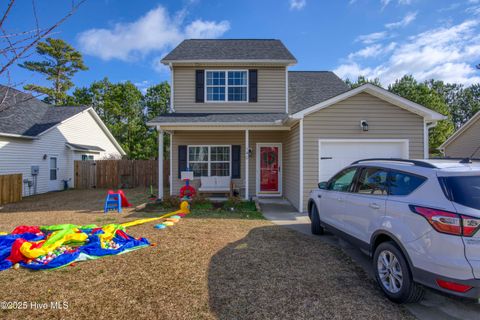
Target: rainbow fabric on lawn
50,247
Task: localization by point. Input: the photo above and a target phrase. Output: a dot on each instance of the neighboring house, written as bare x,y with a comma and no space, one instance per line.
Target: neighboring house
35,135
465,142
237,111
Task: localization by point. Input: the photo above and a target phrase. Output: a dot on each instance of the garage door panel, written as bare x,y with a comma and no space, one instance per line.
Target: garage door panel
335,155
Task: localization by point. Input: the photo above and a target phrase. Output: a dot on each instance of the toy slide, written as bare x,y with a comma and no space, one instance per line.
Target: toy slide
125,203
56,246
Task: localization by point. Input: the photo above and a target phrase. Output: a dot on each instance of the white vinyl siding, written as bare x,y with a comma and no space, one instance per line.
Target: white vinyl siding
18,155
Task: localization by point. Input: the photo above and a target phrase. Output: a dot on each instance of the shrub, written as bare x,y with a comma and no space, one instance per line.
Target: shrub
232,202
201,202
171,202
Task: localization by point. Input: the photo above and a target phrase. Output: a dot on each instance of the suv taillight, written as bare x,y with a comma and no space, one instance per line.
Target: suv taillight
448,222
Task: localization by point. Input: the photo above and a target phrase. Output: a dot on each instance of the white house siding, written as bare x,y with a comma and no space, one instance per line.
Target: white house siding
18,155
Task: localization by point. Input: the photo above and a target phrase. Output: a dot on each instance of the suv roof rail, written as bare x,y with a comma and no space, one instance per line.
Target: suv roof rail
414,162
460,160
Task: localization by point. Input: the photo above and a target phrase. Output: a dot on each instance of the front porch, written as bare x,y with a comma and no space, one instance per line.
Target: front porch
262,162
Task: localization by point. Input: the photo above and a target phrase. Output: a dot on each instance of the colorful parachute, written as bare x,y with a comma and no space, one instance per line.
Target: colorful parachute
50,247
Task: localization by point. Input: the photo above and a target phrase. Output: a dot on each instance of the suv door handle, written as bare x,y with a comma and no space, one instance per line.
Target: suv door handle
374,206
340,199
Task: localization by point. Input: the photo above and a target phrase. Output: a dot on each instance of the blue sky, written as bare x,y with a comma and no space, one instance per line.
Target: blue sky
125,39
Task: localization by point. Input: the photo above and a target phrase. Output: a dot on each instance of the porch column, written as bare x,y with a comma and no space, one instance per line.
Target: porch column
247,156
171,163
160,163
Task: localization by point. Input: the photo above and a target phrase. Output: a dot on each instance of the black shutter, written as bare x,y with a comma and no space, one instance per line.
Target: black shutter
182,160
252,85
200,86
236,155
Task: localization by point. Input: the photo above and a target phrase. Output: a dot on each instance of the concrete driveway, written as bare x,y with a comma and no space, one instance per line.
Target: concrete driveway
434,307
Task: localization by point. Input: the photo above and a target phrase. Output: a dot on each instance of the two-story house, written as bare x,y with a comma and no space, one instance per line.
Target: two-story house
237,111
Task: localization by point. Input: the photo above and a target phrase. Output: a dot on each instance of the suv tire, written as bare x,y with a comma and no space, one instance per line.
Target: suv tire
394,275
316,226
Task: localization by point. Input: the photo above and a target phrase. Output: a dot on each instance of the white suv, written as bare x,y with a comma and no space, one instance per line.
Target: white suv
418,219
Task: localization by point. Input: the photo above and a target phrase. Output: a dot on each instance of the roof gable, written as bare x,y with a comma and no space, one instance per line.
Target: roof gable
473,121
22,114
254,50
427,114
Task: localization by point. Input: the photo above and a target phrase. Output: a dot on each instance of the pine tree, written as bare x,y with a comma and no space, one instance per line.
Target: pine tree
60,63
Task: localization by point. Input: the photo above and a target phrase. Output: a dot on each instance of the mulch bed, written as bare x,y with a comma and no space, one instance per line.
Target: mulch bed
199,269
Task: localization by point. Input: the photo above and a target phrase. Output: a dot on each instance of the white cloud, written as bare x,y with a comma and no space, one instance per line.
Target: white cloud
446,53
372,51
206,29
297,4
372,37
156,31
385,3
409,18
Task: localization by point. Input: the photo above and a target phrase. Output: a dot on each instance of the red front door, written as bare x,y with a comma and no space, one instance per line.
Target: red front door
269,169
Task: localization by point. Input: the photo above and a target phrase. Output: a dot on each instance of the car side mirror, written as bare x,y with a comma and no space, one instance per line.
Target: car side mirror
323,185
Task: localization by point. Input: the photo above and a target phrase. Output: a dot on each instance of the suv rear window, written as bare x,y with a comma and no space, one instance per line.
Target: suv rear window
402,184
464,190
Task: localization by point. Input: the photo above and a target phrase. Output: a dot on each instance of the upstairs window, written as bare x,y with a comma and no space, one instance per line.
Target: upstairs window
230,86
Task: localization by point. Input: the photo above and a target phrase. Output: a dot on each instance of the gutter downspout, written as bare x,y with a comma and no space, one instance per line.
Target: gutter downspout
426,135
172,108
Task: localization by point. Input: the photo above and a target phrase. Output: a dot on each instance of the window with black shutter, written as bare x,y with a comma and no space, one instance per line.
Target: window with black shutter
200,86
252,85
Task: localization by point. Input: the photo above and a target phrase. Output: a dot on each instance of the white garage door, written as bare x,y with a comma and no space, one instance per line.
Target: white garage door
334,155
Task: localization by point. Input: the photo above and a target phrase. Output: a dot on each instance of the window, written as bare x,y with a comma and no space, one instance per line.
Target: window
464,190
226,85
86,157
53,168
206,161
343,180
402,184
372,181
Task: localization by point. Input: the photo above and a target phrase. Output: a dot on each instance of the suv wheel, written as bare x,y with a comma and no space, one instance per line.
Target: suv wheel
315,218
394,276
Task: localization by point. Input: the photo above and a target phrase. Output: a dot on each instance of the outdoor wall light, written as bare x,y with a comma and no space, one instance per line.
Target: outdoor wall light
44,157
364,125
249,153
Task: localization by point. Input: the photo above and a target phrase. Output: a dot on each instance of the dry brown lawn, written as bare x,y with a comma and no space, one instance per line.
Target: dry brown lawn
199,269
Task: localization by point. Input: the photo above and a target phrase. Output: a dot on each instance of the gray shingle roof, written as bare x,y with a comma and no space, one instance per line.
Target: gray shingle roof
308,88
22,114
84,147
229,49
219,118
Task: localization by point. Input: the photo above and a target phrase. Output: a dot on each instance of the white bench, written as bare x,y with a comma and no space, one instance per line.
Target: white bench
215,184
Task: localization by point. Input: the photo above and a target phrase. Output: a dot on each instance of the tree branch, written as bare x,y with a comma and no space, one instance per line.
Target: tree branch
40,36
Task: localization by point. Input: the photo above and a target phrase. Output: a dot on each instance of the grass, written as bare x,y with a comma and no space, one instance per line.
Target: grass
201,268
242,210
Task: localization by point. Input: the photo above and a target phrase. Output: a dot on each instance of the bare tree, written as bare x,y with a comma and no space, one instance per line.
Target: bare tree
16,45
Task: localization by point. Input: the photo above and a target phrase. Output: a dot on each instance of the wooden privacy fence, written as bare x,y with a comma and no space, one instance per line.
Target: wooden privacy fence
119,173
10,188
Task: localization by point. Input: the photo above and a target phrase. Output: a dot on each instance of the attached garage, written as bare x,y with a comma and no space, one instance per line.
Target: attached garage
335,154
332,134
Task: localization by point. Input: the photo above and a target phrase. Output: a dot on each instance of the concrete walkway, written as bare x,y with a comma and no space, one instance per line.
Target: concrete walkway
433,307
